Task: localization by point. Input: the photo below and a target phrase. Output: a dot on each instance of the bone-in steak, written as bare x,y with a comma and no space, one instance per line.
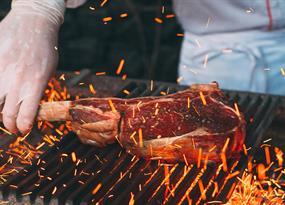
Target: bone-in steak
193,123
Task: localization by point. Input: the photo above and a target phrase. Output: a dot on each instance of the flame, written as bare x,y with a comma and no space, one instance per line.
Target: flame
279,156
267,154
132,199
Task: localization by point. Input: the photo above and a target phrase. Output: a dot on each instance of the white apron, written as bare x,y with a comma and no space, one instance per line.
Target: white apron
248,61
239,43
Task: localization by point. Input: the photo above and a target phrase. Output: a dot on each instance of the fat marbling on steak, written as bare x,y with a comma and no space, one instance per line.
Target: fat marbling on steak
175,127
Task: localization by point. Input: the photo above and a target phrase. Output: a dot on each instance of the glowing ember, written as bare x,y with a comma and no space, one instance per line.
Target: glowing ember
126,92
199,158
158,20
106,19
203,98
112,106
236,108
100,73
180,34
168,16
103,3
6,131
92,90
73,157
140,138
123,15
279,156
124,76
120,67
250,191
96,189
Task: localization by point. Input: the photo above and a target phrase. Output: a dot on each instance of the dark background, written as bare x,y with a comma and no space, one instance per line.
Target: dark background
151,50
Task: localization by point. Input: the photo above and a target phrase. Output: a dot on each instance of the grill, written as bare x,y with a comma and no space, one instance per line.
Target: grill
111,176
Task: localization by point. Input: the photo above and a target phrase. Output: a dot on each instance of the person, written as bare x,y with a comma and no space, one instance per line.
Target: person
240,44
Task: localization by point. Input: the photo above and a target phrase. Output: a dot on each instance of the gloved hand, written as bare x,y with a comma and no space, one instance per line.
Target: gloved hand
28,56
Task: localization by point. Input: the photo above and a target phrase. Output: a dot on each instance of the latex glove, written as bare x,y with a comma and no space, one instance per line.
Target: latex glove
74,3
28,56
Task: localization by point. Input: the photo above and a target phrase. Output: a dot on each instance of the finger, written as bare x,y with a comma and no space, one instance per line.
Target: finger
101,126
10,89
2,100
27,112
5,82
1,108
10,111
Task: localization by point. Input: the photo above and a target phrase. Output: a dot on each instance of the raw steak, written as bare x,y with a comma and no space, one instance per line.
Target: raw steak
181,126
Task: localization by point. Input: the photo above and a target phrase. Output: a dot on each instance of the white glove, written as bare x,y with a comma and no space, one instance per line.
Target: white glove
28,56
74,3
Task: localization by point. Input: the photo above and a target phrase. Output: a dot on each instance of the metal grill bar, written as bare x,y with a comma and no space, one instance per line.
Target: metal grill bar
111,176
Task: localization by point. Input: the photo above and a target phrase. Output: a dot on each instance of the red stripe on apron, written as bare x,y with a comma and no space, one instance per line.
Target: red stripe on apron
269,14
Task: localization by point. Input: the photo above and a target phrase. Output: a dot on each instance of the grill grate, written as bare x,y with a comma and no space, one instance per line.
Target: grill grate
110,175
